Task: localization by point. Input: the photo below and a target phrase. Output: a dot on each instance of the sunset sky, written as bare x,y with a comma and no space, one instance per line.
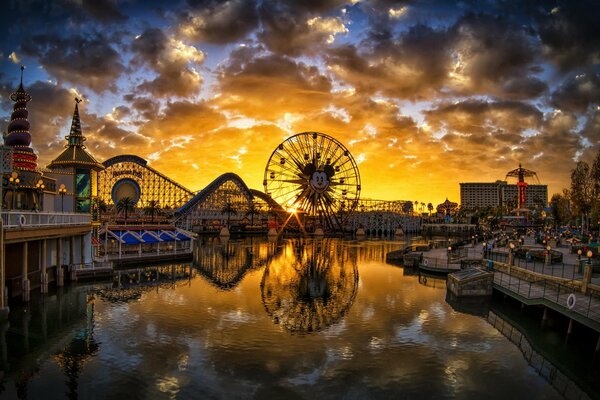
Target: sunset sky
423,93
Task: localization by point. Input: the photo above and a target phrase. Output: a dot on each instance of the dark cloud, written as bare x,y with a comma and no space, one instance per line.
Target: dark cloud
85,60
218,22
578,92
103,10
569,32
480,118
591,129
414,66
172,60
478,54
145,108
294,28
491,53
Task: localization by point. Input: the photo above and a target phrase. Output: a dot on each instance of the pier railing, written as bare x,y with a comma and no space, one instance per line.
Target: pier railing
564,296
30,219
561,270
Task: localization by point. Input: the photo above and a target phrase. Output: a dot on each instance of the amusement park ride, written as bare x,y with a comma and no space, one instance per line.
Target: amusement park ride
521,173
314,174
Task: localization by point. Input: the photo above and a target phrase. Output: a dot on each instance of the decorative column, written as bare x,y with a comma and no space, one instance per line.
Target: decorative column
60,278
587,273
72,267
44,276
24,273
4,310
82,258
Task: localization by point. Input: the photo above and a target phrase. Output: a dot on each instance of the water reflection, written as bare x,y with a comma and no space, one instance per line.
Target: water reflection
78,351
312,286
58,327
130,284
224,262
544,367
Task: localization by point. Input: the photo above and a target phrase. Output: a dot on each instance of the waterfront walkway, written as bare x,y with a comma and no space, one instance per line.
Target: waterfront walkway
549,285
585,307
534,282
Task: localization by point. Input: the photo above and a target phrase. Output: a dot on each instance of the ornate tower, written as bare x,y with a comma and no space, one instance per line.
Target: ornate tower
83,167
18,137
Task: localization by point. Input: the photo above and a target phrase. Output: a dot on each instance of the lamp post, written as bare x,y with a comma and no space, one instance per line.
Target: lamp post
578,261
589,255
548,255
449,251
484,252
511,255
40,189
62,190
13,182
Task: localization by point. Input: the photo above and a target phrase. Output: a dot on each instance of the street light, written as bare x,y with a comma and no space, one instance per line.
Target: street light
589,255
62,190
13,182
484,249
511,255
548,255
40,188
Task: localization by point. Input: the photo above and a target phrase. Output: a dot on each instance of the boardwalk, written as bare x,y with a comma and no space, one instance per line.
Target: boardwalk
586,309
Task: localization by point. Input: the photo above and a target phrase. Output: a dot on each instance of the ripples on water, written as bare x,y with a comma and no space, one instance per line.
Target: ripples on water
257,319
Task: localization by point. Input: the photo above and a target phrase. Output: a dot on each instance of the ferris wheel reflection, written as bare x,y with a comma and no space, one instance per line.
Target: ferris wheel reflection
312,286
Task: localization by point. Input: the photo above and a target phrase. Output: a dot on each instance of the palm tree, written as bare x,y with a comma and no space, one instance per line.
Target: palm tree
252,211
429,208
152,209
101,207
415,208
228,209
125,205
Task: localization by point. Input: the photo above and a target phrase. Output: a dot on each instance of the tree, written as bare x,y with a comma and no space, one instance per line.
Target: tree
101,207
559,209
228,209
582,192
125,205
429,208
152,209
252,211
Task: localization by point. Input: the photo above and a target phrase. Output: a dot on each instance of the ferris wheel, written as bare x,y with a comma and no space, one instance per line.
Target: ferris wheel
314,174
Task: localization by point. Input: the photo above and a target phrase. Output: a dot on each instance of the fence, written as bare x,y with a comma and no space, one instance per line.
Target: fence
565,295
561,270
24,219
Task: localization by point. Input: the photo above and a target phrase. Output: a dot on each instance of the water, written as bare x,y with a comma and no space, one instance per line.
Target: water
257,319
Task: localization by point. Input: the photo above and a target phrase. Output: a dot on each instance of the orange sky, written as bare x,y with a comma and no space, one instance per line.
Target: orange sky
424,96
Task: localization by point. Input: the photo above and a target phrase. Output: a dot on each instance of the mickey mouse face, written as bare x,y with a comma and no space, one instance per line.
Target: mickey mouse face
319,181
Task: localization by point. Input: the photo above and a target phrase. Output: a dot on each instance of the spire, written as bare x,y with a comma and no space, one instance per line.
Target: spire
18,130
75,137
75,155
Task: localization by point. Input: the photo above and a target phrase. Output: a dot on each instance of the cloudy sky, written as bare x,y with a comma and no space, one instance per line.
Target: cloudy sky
425,94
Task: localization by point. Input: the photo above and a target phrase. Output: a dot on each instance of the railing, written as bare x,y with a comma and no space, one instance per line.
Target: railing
25,219
560,270
135,254
586,305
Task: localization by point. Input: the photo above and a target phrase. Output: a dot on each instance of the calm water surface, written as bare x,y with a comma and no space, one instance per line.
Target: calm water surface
257,319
